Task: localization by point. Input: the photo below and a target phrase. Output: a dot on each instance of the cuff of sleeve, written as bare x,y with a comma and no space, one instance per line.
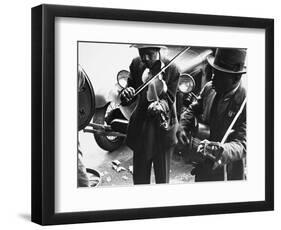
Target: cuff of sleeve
225,155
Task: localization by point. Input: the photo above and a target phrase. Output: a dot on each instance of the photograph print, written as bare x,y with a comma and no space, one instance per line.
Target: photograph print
153,114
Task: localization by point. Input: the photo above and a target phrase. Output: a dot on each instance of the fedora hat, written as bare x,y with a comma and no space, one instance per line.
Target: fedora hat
143,46
229,60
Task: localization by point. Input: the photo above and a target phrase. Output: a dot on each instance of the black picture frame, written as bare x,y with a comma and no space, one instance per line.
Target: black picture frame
43,113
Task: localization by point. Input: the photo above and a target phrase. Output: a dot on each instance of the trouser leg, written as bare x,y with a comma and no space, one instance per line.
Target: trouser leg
161,165
141,168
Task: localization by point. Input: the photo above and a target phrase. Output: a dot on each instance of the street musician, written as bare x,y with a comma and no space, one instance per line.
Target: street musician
152,127
218,104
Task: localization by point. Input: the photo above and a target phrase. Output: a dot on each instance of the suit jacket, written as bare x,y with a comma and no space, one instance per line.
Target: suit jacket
144,134
206,111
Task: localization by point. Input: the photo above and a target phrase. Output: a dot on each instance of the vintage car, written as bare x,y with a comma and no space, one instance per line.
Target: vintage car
102,115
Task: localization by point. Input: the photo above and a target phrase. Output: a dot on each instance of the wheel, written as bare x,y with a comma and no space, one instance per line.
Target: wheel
86,99
104,116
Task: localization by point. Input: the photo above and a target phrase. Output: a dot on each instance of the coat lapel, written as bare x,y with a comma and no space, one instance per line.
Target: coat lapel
235,103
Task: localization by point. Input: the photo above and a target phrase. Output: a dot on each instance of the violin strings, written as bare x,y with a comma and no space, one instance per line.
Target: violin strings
196,142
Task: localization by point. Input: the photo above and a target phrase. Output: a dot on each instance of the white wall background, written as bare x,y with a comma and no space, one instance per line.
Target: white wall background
15,113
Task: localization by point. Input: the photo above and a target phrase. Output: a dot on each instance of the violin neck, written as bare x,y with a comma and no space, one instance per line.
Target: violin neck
155,91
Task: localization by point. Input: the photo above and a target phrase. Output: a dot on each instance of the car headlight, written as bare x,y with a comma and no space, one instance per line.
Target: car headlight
122,78
186,83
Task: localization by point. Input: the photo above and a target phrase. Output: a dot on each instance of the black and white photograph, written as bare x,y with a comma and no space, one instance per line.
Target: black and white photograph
152,114
140,114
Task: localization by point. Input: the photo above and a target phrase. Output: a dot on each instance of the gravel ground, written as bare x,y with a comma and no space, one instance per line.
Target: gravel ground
120,175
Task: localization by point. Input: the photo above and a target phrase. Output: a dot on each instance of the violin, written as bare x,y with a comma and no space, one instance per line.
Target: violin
157,87
154,89
145,84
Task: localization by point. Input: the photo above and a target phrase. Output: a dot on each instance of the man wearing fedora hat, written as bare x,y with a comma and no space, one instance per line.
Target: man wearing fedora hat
151,141
217,105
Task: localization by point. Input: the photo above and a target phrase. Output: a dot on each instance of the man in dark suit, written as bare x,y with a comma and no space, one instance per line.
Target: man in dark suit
152,127
217,105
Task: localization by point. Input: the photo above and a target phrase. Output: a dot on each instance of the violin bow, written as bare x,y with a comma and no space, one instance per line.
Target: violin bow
141,88
219,162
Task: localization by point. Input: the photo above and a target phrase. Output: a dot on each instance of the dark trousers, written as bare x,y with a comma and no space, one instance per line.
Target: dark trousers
161,166
204,172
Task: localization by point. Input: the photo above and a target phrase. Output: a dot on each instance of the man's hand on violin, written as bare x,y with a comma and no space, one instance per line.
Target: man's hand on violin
210,149
127,95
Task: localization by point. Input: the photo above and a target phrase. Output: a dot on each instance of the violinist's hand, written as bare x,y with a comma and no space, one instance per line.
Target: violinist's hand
127,95
210,149
155,108
182,136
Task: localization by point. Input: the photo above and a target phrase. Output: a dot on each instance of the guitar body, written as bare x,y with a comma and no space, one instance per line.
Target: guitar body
190,153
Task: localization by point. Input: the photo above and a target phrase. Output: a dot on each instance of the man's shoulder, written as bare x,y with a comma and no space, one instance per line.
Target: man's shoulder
207,89
240,94
136,61
172,66
173,71
242,89
137,65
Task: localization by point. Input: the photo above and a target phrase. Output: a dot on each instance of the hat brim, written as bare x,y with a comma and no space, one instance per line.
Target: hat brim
211,59
143,46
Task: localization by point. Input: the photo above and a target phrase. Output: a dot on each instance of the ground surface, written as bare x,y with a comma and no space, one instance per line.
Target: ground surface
102,161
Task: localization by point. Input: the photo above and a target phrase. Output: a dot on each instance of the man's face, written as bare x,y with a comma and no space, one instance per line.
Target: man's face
223,82
149,56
